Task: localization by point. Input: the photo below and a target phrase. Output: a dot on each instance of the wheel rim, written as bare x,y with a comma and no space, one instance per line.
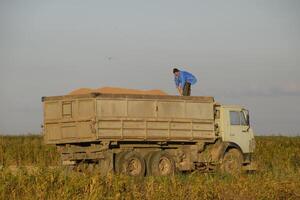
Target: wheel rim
133,167
165,166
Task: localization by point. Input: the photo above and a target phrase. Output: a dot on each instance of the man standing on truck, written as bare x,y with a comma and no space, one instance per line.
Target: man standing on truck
183,81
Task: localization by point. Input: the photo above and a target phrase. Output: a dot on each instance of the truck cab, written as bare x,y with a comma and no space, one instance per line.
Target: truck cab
235,129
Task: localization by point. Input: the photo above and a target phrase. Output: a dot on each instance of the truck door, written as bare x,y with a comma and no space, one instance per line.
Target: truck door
239,129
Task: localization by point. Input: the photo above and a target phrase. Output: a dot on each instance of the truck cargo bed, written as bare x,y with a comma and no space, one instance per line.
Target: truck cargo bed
114,117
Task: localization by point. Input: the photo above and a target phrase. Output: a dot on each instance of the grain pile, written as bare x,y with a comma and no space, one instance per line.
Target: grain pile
116,90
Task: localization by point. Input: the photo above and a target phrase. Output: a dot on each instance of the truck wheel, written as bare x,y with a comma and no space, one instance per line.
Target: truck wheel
232,162
131,163
147,158
161,163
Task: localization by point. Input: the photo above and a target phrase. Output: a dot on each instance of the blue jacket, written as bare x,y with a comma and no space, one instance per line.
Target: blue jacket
185,77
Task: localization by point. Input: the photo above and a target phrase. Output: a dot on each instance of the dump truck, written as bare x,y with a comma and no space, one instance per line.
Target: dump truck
140,135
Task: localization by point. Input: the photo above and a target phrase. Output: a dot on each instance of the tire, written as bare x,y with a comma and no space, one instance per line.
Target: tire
130,163
147,160
117,161
232,162
161,163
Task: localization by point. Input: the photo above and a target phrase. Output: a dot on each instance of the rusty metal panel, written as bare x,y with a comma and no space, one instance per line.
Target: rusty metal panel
68,130
203,134
52,132
110,133
203,126
69,120
199,110
86,108
134,125
67,109
181,134
133,133
111,108
113,124
52,110
141,108
84,130
160,125
169,109
157,134
110,128
181,125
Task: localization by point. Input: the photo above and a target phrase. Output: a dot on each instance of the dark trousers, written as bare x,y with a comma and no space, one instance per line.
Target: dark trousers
186,89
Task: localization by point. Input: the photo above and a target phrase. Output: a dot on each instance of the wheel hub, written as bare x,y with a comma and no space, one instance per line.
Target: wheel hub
164,165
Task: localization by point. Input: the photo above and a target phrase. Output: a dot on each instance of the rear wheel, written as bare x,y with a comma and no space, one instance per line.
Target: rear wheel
161,163
147,160
130,163
232,162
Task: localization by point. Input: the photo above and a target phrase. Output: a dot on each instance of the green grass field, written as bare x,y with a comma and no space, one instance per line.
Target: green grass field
278,176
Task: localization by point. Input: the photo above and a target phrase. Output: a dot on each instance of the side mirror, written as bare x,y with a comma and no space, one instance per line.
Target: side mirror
247,116
248,119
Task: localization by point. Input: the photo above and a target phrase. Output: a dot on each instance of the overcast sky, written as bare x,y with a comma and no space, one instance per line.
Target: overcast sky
243,52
